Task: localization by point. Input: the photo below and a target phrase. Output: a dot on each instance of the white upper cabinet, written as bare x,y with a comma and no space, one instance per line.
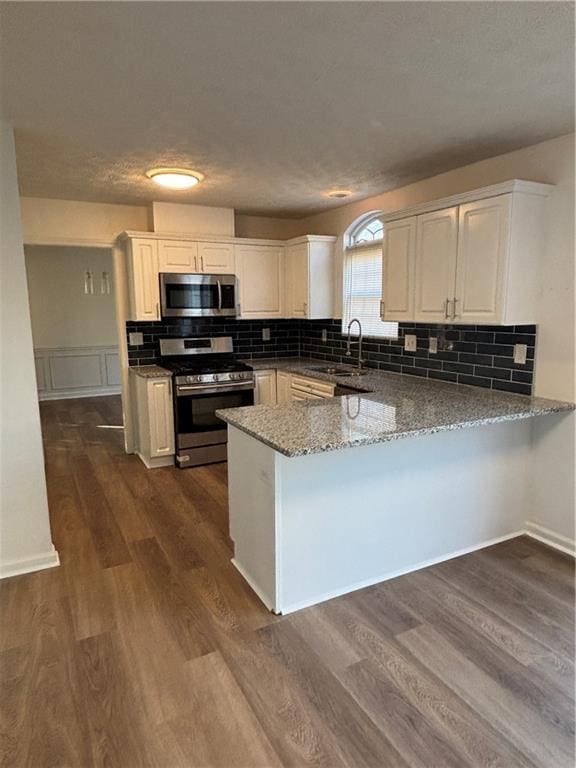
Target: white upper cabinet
178,256
260,271
436,250
297,280
476,261
216,258
143,281
310,277
399,250
483,234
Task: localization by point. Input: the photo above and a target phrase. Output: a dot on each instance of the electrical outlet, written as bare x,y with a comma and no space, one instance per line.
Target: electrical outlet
433,345
135,339
265,334
410,342
324,335
520,352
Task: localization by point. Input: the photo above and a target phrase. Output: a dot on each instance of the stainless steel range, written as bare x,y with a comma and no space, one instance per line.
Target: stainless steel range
205,377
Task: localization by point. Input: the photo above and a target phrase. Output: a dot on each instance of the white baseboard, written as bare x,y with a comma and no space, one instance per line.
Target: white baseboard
163,461
74,394
266,599
552,539
29,564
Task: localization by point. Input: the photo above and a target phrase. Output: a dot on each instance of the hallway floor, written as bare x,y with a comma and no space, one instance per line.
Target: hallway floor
147,648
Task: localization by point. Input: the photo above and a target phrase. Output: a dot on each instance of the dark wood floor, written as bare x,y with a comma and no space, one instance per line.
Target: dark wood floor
146,647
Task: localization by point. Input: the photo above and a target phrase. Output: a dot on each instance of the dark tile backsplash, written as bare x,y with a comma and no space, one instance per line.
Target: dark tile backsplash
246,335
482,355
478,355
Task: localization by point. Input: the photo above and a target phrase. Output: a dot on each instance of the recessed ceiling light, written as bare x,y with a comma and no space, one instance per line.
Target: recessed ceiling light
175,178
339,193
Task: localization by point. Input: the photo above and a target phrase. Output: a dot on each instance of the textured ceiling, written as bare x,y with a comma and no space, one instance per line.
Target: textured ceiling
276,102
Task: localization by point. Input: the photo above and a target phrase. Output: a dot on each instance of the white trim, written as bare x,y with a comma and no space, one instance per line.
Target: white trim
550,538
392,575
71,242
197,238
515,185
266,599
29,564
162,461
75,394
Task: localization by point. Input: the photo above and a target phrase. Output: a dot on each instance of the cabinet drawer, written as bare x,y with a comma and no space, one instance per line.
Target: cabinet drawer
313,386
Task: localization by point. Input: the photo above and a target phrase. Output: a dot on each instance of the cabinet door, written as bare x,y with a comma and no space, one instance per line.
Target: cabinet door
161,418
143,277
482,250
178,256
283,385
399,249
297,280
265,391
436,249
260,272
216,258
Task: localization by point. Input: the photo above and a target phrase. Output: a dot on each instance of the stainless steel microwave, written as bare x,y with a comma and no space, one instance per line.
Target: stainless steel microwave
187,295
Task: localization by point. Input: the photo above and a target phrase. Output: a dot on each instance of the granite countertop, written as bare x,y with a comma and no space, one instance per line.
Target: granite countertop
149,371
392,406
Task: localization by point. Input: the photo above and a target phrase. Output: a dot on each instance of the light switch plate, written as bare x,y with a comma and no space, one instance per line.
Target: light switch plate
410,342
265,334
324,335
136,339
520,352
433,345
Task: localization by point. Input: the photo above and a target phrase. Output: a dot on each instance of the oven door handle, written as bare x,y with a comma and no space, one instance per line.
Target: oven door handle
219,284
203,389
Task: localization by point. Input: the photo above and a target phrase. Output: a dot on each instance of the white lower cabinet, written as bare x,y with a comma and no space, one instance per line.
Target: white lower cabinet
283,387
155,420
303,388
265,389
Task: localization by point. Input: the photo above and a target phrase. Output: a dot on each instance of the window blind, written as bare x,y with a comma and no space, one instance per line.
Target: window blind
362,292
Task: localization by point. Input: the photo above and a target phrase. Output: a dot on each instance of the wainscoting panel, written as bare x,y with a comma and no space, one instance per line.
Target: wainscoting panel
77,372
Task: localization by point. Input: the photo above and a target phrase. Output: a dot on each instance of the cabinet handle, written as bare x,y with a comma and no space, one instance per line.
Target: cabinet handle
202,263
446,313
382,308
157,310
454,313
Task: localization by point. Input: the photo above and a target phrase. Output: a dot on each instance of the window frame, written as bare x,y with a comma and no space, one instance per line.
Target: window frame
350,248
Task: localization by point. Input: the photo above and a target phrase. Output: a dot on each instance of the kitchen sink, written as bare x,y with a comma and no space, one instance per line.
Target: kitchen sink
334,370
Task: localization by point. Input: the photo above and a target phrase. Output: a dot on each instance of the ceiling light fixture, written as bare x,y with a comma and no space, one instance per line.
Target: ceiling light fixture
338,193
175,178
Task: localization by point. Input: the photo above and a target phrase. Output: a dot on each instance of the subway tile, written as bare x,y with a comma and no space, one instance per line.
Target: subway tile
411,371
474,381
443,375
475,359
495,349
492,373
514,338
458,367
512,386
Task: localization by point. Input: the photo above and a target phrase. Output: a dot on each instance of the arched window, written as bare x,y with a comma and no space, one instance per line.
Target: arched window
367,230
363,278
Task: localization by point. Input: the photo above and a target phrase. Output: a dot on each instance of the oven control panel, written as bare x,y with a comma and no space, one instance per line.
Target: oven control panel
203,379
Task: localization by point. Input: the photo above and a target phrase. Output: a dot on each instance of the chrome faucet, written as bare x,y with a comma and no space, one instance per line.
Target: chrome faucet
348,342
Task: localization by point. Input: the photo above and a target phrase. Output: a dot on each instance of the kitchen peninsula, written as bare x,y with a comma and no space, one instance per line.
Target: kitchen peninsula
331,495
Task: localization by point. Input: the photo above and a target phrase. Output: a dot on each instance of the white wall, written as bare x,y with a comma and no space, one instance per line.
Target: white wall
553,492
188,219
25,539
46,222
62,314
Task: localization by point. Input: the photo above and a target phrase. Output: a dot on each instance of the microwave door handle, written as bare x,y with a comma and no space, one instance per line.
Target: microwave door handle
219,284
